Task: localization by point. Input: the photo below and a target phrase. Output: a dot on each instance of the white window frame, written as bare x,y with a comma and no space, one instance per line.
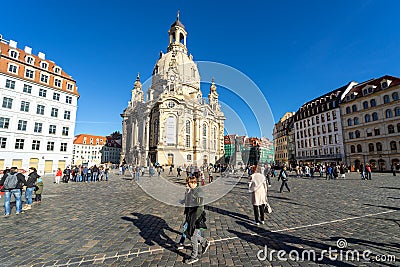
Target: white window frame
15,67
44,65
31,70
70,85
27,58
44,75
55,82
57,69
13,52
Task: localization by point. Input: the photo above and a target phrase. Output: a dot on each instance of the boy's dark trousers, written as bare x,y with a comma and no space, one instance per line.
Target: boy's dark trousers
284,183
259,212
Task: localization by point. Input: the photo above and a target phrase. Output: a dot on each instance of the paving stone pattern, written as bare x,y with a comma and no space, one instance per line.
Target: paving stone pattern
115,223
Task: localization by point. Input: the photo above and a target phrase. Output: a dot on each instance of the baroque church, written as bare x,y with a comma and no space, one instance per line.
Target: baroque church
174,125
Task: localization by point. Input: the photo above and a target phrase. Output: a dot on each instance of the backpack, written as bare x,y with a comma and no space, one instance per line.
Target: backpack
11,181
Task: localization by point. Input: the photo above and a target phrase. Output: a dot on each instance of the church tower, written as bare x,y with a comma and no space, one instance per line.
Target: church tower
137,91
213,96
177,37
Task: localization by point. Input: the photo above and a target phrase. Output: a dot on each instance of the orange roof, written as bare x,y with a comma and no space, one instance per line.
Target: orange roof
87,138
20,61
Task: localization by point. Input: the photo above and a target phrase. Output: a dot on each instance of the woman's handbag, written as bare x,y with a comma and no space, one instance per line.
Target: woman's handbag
268,208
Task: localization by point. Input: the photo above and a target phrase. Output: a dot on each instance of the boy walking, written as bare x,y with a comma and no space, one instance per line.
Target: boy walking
196,220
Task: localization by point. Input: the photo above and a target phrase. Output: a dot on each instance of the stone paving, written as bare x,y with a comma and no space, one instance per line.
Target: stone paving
115,223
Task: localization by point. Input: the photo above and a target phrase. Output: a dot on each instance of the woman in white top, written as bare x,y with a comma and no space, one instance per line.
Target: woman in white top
258,191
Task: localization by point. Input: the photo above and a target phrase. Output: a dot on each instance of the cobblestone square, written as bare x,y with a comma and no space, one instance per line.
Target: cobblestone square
116,223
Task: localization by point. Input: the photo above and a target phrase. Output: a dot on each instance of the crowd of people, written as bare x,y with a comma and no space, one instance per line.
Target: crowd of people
13,183
82,174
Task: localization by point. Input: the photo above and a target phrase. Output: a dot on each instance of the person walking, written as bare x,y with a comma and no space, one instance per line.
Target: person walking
195,218
30,187
258,191
342,171
39,190
284,177
12,184
368,172
393,168
58,175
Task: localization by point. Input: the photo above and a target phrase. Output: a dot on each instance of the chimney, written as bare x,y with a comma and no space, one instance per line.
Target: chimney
13,44
28,50
42,55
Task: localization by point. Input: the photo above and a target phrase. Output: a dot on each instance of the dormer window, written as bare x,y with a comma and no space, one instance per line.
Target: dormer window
370,90
44,65
365,92
13,54
57,70
384,85
30,60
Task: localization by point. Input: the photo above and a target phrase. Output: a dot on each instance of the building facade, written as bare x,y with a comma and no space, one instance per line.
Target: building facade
111,152
282,139
175,125
37,112
371,124
318,129
88,149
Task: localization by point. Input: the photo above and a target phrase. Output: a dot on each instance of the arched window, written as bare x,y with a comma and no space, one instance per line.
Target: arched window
351,135
390,129
386,99
389,113
353,149
359,148
215,137
155,132
355,120
365,91
365,104
348,110
393,145
398,127
374,116
397,111
188,131
373,103
371,147
349,122
379,146
357,134
367,118
395,96
204,131
354,108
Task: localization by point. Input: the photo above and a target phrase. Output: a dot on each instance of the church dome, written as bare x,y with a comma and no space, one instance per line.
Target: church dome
187,71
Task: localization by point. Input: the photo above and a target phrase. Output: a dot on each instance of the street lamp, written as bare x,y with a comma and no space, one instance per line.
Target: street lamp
380,163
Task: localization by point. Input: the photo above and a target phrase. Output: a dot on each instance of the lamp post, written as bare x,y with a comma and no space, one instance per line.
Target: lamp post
380,163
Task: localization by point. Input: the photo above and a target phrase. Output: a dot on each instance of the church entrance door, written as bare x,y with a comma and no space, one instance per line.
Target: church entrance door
170,159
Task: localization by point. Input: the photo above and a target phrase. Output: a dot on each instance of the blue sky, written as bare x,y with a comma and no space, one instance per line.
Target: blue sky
292,50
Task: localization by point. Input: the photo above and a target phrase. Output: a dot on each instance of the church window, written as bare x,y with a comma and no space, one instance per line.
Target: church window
204,136
187,133
215,137
155,132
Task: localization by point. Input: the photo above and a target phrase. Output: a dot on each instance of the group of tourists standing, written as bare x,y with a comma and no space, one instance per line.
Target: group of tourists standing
82,174
13,183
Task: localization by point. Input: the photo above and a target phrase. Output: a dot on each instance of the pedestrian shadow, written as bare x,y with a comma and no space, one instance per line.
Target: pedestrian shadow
235,215
270,243
388,187
152,230
380,206
392,247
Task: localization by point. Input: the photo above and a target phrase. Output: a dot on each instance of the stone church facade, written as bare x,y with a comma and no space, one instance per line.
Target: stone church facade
174,125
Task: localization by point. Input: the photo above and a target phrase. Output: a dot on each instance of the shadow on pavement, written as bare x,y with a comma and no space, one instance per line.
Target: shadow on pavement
278,241
152,230
388,187
235,215
385,207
